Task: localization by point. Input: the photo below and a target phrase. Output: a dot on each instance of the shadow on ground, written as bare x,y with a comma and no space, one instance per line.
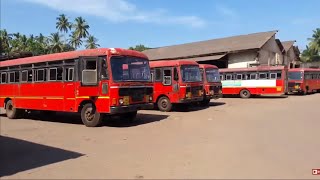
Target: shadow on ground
73,118
18,155
195,107
256,97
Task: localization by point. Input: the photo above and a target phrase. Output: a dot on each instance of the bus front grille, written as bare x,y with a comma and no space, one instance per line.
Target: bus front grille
136,94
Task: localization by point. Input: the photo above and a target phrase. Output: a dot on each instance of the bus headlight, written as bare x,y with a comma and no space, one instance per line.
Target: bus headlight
120,101
211,92
188,95
297,86
150,98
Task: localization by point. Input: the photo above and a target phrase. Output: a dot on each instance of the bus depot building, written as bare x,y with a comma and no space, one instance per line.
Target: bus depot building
240,51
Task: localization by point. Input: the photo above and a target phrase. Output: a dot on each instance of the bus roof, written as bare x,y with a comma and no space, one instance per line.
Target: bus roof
167,63
304,70
71,55
205,66
258,68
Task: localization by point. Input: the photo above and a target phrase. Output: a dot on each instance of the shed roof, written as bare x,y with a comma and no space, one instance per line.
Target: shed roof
210,47
287,44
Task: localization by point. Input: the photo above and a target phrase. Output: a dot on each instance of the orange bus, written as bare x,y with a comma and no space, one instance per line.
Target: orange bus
211,83
92,82
176,82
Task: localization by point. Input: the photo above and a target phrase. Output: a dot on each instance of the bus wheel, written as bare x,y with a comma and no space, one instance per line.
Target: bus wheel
90,116
129,117
245,93
11,111
164,104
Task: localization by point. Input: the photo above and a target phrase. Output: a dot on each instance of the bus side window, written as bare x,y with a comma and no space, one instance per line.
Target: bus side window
104,69
158,76
263,76
3,78
40,75
24,76
69,74
221,77
11,77
52,74
167,77
273,75
253,76
176,75
279,75
239,77
228,76
30,75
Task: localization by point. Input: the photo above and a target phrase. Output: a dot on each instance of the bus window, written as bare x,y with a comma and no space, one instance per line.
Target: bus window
40,75
273,75
253,76
175,74
158,74
279,75
167,77
104,69
24,76
17,77
69,74
3,78
30,75
263,76
52,74
221,77
229,77
11,77
239,77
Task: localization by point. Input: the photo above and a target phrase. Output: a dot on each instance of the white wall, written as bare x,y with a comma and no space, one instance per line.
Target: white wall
241,59
267,54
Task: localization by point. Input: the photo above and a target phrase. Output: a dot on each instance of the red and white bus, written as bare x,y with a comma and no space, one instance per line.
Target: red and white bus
303,80
176,81
261,80
91,82
211,82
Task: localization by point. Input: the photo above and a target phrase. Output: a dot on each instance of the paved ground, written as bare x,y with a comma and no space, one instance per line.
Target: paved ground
233,138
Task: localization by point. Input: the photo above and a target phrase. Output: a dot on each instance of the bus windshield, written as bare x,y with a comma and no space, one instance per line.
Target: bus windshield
126,68
212,75
295,76
190,73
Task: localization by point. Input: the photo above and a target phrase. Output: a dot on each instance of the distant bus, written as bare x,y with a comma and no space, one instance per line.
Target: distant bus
211,83
174,82
90,82
261,80
303,80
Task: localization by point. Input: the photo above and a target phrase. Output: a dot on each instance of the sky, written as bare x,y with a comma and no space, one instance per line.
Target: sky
156,23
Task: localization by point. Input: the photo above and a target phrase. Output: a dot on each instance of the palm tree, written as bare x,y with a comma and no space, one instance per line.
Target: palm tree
315,40
81,28
5,41
63,24
74,41
92,42
55,42
309,54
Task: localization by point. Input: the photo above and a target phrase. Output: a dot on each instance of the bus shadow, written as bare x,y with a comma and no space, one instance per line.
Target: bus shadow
141,119
256,97
19,155
72,118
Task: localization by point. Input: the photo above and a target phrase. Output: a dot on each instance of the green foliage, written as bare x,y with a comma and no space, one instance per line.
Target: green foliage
312,52
139,47
17,43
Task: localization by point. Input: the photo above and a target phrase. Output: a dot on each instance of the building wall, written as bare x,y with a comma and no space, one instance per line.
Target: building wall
291,58
270,53
241,59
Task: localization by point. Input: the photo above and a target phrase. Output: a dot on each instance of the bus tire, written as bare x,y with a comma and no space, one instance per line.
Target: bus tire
245,93
164,104
11,111
129,116
90,116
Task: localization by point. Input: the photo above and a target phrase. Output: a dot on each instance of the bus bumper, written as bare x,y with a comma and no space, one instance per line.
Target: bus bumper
215,96
195,99
130,108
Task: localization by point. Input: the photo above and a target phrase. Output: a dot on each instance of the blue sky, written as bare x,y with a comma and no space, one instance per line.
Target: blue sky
155,23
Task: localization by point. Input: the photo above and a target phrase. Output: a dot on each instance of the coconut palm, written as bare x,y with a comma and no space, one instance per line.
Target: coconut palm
63,24
315,40
81,28
55,43
5,40
74,41
91,42
309,54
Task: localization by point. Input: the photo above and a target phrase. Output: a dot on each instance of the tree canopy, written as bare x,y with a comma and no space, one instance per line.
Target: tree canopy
68,37
312,51
139,47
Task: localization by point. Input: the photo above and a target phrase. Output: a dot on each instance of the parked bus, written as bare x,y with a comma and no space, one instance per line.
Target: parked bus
261,80
211,83
303,80
90,82
176,81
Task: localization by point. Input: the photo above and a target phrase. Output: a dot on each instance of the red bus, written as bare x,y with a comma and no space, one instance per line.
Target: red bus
176,81
261,80
211,82
92,82
303,80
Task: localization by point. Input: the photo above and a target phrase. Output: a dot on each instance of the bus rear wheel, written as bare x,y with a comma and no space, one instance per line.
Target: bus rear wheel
245,94
90,116
164,104
11,111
